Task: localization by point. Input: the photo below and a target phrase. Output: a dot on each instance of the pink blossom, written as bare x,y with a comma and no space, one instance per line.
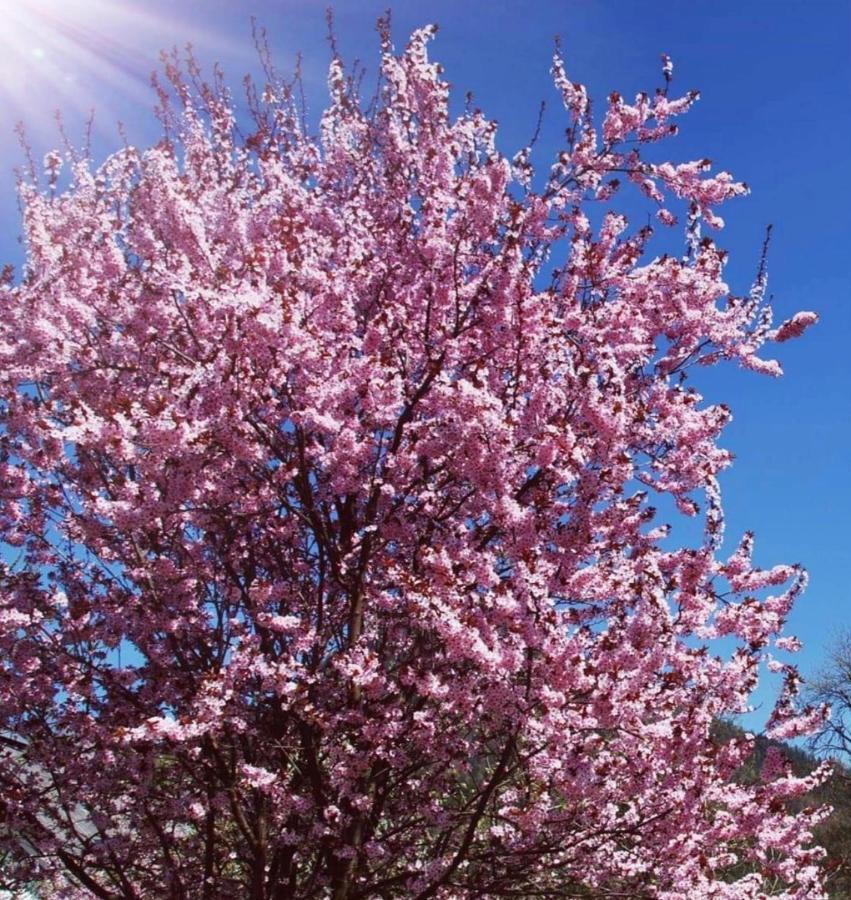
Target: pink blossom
794,327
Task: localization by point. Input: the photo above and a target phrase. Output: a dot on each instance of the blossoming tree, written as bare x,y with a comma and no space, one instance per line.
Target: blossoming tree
330,568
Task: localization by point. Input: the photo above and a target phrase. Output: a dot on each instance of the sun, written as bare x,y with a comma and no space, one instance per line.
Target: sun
74,56
83,55
43,54
25,25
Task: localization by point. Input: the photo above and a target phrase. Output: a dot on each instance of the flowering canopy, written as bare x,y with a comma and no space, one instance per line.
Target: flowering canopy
330,565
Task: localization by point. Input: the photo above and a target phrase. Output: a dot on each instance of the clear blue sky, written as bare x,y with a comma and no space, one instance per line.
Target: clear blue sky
775,79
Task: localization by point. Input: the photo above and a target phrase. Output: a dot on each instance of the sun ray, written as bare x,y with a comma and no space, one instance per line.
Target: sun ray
81,55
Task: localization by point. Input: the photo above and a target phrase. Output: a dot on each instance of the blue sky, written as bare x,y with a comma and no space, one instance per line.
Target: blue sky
775,80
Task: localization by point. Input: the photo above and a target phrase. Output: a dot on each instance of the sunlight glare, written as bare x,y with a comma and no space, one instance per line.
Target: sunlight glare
83,55
74,56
